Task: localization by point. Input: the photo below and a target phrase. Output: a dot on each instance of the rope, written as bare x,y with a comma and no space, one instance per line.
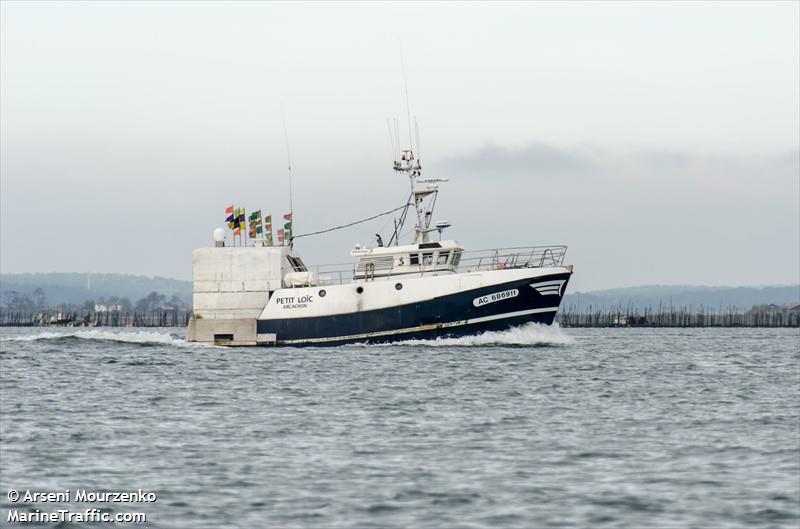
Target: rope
350,224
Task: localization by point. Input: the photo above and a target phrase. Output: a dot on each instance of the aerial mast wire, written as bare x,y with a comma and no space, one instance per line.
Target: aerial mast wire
416,130
391,139
289,163
405,85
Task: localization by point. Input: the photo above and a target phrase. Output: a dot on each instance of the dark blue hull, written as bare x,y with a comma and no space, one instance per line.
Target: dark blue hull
447,316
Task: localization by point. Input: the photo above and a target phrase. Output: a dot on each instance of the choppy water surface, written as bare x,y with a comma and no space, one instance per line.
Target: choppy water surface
538,427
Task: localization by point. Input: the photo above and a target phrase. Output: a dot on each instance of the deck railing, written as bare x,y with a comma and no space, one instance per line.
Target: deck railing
517,257
334,274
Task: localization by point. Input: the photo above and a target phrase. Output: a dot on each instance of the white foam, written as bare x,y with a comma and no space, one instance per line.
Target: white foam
530,334
124,336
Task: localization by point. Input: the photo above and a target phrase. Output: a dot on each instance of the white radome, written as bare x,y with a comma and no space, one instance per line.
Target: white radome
219,235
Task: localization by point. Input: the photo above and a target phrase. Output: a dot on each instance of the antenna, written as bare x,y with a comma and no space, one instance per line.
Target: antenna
289,162
407,162
391,140
397,135
405,84
416,130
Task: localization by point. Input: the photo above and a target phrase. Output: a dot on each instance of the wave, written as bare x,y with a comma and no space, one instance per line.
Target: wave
133,337
528,335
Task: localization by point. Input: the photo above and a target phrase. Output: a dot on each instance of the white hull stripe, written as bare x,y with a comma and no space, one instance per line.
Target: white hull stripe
549,288
430,327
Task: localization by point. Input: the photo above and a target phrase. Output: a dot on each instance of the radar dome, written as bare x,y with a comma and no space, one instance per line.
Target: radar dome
219,235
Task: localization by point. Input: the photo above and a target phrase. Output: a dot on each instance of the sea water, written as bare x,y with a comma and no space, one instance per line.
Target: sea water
534,427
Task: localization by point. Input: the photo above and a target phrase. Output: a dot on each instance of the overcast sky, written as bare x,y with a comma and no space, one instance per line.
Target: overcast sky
661,141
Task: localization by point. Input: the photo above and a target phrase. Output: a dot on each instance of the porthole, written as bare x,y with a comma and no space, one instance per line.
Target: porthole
398,286
322,293
360,290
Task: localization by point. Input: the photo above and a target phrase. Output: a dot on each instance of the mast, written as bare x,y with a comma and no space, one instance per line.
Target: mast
409,165
289,165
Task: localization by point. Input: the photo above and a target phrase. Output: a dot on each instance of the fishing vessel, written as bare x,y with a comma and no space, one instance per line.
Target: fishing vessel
263,295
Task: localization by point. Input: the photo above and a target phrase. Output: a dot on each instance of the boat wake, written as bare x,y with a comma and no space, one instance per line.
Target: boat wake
103,335
528,335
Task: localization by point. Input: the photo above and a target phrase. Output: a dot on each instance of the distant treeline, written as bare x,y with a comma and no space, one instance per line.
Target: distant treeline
156,318
76,289
13,301
758,316
153,310
643,297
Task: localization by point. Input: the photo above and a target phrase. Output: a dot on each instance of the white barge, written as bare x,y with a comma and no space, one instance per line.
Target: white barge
266,295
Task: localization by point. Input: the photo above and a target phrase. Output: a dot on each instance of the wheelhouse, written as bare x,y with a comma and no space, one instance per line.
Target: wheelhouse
431,258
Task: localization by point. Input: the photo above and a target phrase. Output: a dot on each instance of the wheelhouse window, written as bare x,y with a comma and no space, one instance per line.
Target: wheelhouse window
456,257
414,259
297,264
427,259
442,258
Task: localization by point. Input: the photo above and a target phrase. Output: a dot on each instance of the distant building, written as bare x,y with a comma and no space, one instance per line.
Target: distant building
767,307
108,308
